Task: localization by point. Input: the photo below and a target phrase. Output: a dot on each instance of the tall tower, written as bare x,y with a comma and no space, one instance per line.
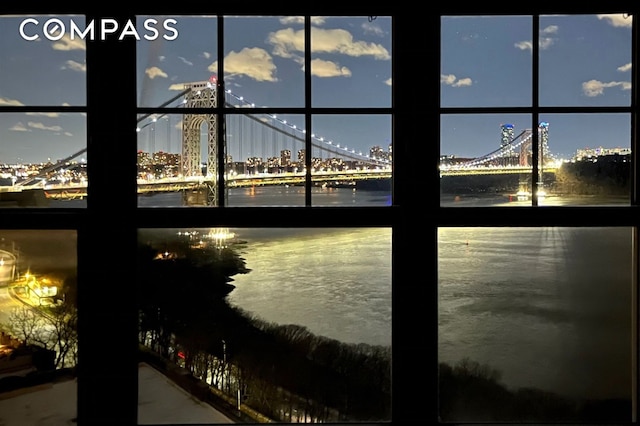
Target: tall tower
506,138
506,131
543,136
202,95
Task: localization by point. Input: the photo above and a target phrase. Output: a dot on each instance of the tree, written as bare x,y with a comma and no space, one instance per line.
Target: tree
54,329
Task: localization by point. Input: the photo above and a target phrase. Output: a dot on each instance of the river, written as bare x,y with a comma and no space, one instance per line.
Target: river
335,282
550,308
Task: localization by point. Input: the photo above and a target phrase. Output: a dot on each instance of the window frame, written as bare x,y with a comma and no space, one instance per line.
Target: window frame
414,217
535,215
107,227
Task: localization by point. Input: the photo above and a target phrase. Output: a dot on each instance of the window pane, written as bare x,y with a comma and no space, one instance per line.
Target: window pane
38,319
256,315
351,160
485,61
585,60
485,160
264,60
164,180
593,152
350,60
183,50
44,65
265,160
44,159
584,159
536,324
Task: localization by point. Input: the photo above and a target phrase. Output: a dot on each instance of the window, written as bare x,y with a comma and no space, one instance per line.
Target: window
322,142
537,259
236,118
120,86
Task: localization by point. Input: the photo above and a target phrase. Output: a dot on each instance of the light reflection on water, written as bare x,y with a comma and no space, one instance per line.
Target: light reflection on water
505,200
548,307
335,282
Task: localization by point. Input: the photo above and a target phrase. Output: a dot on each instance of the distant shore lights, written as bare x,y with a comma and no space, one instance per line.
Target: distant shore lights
220,236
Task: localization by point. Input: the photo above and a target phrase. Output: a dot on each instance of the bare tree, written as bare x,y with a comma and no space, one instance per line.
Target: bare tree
52,328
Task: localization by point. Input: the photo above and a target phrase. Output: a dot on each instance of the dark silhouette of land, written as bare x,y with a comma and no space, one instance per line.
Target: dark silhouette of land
284,372
472,392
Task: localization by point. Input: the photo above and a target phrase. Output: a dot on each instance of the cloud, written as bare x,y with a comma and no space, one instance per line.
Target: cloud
177,86
617,20
206,55
153,72
65,43
253,62
287,43
625,67
544,41
45,114
453,81
40,126
11,102
371,28
19,127
322,68
594,88
185,61
388,82
523,45
75,66
315,20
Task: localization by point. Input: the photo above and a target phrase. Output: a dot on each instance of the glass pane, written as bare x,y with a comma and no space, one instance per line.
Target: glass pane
351,160
486,61
264,60
262,313
350,60
40,62
593,153
485,160
585,60
44,159
265,160
536,324
38,326
181,52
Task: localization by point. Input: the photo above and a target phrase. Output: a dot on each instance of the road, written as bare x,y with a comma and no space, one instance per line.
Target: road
7,303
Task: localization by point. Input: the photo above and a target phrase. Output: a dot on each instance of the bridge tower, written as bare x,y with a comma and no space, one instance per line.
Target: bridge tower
202,95
526,154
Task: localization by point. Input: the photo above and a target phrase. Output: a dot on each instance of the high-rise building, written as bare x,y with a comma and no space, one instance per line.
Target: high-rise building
506,134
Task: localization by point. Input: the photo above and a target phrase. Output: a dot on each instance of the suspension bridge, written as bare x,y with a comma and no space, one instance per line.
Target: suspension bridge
180,152
514,156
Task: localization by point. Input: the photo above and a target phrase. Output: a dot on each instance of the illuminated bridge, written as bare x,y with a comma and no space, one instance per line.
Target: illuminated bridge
258,149
513,157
